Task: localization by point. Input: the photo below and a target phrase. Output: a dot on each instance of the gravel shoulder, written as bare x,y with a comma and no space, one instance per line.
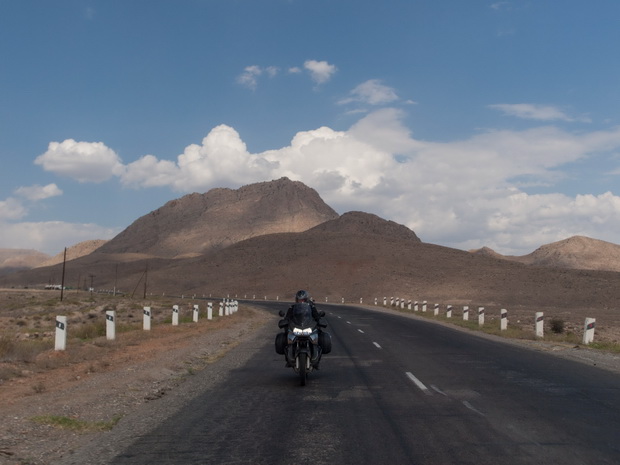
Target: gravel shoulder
126,387
109,400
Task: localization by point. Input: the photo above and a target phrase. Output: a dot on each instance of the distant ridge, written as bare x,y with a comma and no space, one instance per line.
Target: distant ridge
576,252
12,260
73,252
198,223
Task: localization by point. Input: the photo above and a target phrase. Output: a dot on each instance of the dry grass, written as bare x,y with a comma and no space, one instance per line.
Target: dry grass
28,320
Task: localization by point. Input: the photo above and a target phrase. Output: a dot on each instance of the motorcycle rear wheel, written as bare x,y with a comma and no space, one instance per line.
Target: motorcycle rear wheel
302,368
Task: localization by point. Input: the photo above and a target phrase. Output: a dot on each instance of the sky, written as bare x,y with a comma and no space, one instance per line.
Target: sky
474,123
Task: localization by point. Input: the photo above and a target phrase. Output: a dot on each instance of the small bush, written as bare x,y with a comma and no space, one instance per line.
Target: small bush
557,325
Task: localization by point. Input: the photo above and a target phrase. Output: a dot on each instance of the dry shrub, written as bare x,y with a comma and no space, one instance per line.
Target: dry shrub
12,350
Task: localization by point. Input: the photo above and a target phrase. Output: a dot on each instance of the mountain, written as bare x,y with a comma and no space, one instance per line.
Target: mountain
270,239
73,252
198,223
12,260
577,252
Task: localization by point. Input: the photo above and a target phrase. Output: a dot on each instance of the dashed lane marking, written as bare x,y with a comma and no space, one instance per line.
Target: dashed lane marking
418,383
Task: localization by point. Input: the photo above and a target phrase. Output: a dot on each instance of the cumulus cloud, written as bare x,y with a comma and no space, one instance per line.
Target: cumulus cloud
37,192
250,75
371,92
320,71
82,161
11,209
536,112
464,193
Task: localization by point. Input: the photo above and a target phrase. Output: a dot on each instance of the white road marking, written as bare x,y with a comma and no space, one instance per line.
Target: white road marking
361,331
378,346
472,408
418,383
436,389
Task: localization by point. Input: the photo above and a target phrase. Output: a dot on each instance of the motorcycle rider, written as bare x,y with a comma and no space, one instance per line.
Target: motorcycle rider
303,297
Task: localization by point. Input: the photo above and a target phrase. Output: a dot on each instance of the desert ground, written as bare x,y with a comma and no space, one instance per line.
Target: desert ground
51,400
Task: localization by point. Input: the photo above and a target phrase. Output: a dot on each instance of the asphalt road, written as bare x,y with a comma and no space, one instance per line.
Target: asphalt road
395,390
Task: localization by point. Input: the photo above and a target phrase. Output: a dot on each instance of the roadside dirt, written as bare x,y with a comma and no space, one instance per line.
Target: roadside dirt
61,400
55,402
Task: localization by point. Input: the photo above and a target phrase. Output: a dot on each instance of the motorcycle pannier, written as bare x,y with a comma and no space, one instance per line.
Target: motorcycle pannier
280,343
325,341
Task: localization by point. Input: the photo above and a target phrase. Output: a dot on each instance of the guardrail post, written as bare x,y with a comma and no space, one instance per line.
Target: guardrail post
146,319
61,333
480,316
209,311
503,320
195,316
540,322
110,325
588,330
449,311
465,313
175,315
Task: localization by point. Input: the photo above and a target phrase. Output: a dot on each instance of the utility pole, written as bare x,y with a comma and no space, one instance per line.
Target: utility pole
62,284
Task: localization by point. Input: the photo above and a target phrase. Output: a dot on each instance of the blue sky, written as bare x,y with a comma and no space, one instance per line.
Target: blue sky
475,123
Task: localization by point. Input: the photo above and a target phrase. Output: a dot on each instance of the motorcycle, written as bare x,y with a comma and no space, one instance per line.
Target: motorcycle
302,342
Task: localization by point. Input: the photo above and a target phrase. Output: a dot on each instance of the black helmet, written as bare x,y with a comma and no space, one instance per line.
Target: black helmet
302,296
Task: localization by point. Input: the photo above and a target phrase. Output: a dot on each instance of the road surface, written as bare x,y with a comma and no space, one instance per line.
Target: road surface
395,390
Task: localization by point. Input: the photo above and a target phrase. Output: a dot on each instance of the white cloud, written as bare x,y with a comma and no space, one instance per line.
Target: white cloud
82,161
371,92
11,209
37,192
536,112
51,237
249,77
462,193
320,71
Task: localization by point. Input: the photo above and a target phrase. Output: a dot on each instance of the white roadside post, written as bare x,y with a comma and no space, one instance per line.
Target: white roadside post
195,316
61,333
175,315
110,325
588,330
436,310
465,313
391,301
209,311
540,321
480,316
375,301
449,311
385,301
402,304
221,309
361,300
424,306
415,306
146,319
503,320
409,304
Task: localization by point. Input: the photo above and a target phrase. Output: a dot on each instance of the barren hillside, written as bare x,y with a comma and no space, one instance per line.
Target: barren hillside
12,260
76,251
198,223
577,252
